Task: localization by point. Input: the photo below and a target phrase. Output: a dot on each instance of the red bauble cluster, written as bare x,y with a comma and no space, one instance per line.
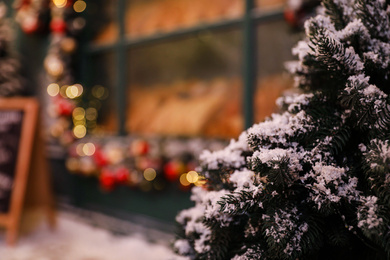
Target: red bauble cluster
109,178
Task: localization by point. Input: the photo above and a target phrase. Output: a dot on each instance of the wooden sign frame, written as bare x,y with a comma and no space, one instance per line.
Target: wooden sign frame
29,107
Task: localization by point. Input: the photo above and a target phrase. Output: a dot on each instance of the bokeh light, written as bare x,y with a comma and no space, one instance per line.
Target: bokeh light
89,149
79,131
60,3
79,6
99,92
53,89
72,164
79,149
192,176
91,114
78,113
183,180
150,174
74,91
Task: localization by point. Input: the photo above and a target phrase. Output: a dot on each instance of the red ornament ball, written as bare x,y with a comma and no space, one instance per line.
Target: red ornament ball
173,169
140,147
65,108
58,25
100,158
122,175
107,180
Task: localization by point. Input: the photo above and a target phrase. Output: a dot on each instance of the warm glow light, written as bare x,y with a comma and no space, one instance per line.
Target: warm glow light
74,91
149,174
63,91
78,113
192,176
79,6
53,89
60,3
80,150
99,92
72,164
91,114
183,179
79,131
201,181
89,149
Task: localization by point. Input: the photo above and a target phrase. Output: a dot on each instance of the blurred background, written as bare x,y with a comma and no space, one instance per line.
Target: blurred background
132,91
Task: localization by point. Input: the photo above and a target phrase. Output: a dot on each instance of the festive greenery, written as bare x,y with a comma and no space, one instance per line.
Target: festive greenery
147,164
10,79
312,182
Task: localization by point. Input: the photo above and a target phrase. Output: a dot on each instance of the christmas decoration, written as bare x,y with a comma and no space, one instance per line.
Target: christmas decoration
313,181
298,11
147,164
10,80
69,120
31,14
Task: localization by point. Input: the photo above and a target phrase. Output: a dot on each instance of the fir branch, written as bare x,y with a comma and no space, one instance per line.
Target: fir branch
335,11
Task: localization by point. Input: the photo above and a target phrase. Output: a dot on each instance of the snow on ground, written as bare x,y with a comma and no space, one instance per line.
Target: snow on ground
75,240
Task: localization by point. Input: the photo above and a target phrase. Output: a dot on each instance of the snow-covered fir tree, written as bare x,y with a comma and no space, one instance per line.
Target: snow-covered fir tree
10,79
312,182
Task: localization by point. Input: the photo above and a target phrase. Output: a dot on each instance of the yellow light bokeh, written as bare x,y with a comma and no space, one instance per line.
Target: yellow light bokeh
91,114
183,179
201,181
150,174
79,122
72,164
89,149
63,91
74,91
79,131
80,150
78,113
99,92
60,3
53,89
79,6
192,176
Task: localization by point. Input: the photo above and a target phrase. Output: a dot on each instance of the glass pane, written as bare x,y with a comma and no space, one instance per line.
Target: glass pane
187,87
102,91
274,42
103,21
155,16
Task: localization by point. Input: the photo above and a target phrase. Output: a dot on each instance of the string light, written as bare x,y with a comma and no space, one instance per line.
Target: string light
91,114
192,176
183,180
79,6
201,181
79,131
60,3
79,149
149,174
63,91
53,89
78,113
99,92
74,91
72,164
89,149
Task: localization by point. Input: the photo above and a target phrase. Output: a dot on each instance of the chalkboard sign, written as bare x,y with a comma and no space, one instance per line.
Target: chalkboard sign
18,120
10,129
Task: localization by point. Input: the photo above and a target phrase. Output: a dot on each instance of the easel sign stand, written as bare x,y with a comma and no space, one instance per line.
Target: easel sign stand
29,147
